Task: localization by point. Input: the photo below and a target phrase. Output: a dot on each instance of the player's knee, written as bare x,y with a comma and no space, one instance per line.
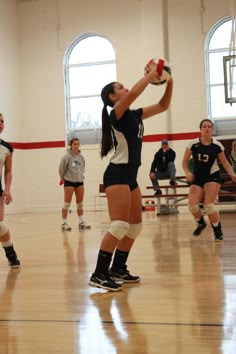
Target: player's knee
3,228
119,228
66,206
79,205
210,208
134,230
194,208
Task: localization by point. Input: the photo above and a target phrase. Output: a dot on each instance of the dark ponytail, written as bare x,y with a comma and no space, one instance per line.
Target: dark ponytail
108,141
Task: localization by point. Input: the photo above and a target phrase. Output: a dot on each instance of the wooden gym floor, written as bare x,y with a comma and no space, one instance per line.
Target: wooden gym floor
185,303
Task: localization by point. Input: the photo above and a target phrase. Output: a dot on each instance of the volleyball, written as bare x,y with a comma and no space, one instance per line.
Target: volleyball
163,70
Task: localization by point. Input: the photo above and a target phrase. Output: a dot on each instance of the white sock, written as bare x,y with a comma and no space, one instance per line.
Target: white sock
7,243
81,219
64,221
215,224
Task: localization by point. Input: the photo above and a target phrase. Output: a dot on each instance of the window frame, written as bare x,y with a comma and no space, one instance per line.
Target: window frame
224,124
87,135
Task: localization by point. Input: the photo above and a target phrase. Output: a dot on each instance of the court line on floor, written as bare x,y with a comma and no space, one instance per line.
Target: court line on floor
125,322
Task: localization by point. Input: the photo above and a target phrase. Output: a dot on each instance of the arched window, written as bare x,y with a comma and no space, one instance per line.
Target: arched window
89,65
218,46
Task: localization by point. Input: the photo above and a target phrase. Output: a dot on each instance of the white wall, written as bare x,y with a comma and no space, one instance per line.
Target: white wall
33,38
10,91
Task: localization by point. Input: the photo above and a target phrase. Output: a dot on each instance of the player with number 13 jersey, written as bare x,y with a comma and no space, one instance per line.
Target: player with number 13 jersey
205,167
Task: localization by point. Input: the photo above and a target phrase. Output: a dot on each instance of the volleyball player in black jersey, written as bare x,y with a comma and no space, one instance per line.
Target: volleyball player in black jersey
6,153
205,178
122,131
232,156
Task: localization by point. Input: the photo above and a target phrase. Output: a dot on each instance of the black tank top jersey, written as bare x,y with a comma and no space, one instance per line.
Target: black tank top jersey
5,150
128,132
205,157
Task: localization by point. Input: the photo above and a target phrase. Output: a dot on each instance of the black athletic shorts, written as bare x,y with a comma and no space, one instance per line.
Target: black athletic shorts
215,177
73,184
120,174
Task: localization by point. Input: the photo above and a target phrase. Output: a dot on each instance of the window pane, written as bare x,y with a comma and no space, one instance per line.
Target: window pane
219,46
86,112
92,49
221,37
90,65
89,80
218,106
216,67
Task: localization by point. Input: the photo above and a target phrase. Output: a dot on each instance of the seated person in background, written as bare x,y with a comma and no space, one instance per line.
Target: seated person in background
163,166
232,156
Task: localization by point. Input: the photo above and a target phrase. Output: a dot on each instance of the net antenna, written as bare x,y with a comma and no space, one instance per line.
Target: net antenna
229,62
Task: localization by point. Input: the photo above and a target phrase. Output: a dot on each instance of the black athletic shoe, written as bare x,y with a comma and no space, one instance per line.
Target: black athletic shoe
12,257
158,191
218,236
103,281
218,233
123,275
173,182
199,229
